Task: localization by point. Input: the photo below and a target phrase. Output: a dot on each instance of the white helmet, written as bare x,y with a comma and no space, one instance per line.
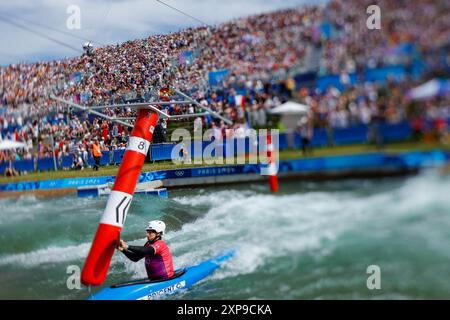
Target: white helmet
156,225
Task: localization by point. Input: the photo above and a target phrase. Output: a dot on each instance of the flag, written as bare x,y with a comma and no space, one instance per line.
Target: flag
186,57
76,77
217,77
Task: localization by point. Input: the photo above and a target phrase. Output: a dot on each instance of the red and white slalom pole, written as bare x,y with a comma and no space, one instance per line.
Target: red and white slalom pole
272,169
111,223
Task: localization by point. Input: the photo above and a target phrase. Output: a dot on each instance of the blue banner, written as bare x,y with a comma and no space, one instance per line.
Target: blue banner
84,97
325,29
76,77
56,184
186,57
218,77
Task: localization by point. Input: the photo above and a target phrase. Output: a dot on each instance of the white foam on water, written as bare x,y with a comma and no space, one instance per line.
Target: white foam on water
18,209
28,208
262,227
429,188
52,254
213,198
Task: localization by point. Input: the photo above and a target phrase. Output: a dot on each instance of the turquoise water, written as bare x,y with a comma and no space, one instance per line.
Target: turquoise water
310,241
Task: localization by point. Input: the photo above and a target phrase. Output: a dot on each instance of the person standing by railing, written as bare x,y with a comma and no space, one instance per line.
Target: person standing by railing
96,153
306,129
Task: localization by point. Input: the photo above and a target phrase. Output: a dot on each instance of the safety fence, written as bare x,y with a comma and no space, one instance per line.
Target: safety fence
373,162
160,152
382,132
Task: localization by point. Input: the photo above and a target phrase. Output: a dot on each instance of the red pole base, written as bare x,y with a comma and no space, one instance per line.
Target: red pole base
97,263
273,181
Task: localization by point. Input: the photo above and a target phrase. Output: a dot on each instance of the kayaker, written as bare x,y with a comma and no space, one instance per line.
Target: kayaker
158,259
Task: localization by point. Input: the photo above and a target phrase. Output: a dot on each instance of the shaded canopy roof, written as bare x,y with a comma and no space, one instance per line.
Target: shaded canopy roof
10,144
432,88
290,107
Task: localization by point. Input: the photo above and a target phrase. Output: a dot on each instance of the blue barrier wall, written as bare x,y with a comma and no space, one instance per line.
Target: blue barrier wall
3,166
320,138
395,132
351,135
45,164
66,162
319,164
118,156
105,159
24,165
161,151
338,136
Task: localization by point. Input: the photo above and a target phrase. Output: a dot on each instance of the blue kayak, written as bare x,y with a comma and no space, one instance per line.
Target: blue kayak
151,289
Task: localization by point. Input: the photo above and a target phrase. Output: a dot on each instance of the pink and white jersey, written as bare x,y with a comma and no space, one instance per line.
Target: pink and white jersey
159,266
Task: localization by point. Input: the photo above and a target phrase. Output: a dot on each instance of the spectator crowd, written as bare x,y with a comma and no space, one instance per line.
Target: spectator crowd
262,54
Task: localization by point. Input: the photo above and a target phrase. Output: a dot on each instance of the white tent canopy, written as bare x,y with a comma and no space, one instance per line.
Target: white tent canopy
291,114
10,144
290,107
432,88
426,90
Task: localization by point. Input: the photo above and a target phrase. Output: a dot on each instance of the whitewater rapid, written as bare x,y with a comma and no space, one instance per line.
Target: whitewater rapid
312,240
